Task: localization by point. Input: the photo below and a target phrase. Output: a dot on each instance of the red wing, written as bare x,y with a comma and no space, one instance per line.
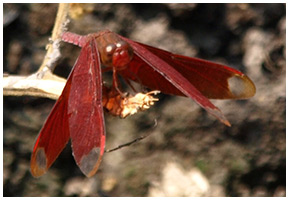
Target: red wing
53,136
86,120
213,80
170,76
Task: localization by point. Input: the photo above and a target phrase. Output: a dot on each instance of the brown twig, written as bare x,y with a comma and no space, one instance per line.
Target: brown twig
53,52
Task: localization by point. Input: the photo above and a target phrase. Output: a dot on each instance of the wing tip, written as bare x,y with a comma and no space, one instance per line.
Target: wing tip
89,163
227,123
241,86
38,164
217,113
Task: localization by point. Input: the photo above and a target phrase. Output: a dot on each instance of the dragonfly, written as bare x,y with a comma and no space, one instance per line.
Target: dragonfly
78,114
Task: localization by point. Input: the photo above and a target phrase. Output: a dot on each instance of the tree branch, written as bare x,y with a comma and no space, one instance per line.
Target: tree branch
43,83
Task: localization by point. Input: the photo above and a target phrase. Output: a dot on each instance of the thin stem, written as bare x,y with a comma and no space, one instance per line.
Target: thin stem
133,141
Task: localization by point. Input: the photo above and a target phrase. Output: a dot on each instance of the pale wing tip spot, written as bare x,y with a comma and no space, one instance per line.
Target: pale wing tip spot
38,163
241,87
90,162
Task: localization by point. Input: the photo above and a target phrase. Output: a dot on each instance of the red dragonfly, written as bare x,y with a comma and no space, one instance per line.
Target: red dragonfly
78,113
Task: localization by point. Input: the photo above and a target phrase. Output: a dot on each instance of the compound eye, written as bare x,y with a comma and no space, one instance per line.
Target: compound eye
122,55
122,45
109,50
107,54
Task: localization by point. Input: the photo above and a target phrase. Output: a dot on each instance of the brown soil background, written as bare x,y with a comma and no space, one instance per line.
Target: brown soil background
247,159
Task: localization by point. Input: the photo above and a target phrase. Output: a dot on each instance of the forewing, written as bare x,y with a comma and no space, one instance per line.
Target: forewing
215,81
53,136
86,120
171,75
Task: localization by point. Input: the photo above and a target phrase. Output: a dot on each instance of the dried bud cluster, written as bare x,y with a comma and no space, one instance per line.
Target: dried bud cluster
124,106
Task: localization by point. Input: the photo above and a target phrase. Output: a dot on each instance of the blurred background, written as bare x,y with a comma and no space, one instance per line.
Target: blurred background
188,152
